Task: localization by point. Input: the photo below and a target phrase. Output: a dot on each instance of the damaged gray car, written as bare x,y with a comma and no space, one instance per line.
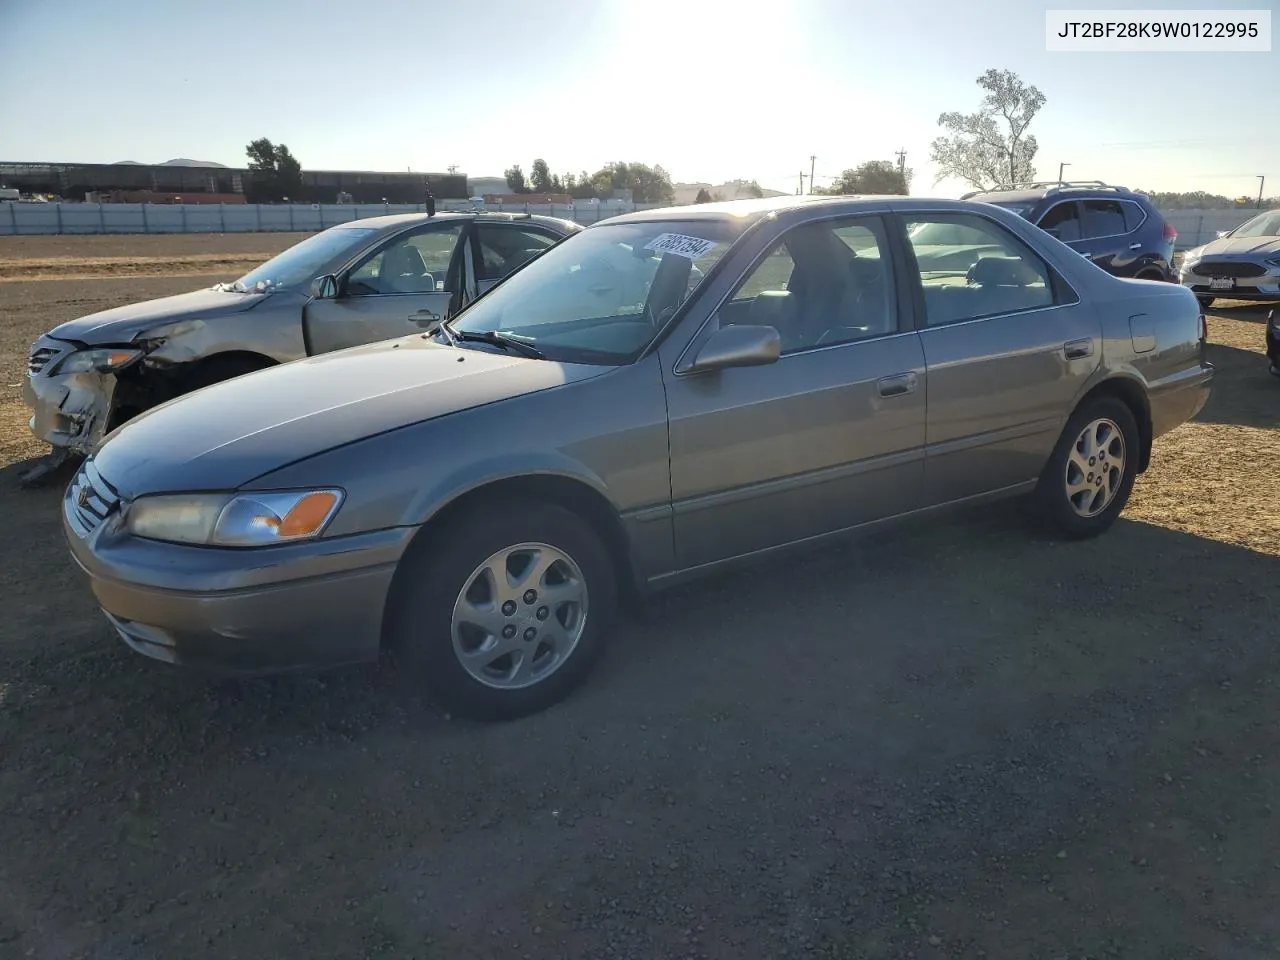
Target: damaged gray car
357,283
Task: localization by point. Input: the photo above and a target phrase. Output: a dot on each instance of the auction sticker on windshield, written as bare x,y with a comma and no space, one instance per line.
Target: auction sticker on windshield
693,248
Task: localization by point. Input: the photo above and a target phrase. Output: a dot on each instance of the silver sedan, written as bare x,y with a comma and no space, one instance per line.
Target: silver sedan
1242,264
661,395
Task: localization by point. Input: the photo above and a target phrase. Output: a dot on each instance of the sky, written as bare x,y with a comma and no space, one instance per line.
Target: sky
711,90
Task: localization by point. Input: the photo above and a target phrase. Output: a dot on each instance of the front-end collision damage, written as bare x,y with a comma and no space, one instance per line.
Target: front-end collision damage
78,394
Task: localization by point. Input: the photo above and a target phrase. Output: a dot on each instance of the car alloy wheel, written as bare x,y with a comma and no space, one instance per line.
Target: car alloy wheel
1095,467
519,616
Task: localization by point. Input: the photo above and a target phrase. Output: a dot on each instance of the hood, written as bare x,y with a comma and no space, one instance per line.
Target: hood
223,436
122,324
1235,246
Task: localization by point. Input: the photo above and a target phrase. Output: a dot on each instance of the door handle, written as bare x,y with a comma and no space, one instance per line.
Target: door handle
1135,246
897,385
1078,349
424,317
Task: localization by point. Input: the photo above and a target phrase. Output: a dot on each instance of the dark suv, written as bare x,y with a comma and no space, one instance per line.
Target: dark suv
1116,228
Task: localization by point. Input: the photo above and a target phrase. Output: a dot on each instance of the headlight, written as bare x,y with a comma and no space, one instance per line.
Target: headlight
233,520
104,360
1191,257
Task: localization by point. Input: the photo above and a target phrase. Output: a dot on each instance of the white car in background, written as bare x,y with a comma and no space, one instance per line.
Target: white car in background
1242,264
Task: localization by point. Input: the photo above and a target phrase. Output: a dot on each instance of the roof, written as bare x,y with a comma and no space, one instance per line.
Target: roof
405,219
748,211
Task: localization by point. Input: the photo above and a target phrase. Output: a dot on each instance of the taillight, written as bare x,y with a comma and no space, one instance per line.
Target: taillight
1170,234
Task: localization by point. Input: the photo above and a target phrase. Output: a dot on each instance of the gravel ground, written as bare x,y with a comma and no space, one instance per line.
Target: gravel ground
953,740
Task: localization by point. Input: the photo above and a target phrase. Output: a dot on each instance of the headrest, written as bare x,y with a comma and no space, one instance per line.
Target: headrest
1002,272
772,308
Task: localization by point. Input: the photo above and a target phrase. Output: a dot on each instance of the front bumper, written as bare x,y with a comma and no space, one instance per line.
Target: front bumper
1264,287
68,411
298,606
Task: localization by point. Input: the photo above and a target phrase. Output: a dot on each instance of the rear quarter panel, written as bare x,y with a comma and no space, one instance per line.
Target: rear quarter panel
1151,333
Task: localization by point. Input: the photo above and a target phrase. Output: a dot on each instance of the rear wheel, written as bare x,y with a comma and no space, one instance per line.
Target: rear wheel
505,611
1090,474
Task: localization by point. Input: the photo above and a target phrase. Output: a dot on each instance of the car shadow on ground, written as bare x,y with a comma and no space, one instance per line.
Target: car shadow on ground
1244,391
861,745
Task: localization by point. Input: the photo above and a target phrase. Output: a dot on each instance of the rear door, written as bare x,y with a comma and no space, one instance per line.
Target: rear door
1106,237
1008,348
398,288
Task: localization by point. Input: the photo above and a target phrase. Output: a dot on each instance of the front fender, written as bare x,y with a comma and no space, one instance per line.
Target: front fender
471,476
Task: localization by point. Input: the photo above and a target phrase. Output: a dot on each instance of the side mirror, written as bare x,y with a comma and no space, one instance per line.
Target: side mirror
1222,233
738,346
324,288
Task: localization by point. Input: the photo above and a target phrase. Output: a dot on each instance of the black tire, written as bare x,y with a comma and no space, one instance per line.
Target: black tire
432,578
1205,302
218,368
1050,504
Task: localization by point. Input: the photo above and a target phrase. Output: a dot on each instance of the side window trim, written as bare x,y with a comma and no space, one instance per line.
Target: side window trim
1063,293
404,235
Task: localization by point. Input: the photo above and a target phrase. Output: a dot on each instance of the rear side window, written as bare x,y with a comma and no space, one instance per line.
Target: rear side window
1134,215
1103,218
996,274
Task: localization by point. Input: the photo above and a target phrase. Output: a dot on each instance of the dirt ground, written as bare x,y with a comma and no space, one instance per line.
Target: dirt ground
951,741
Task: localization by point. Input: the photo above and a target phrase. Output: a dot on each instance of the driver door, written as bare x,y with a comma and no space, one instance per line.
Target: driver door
401,287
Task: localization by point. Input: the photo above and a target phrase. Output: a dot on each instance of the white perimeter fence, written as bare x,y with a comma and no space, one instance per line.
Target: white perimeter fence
1194,226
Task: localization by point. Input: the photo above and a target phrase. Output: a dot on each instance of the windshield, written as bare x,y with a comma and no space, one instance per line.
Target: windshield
302,262
1263,225
603,294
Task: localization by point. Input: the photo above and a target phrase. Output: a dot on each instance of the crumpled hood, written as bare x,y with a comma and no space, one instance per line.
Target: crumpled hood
230,433
1232,246
121,324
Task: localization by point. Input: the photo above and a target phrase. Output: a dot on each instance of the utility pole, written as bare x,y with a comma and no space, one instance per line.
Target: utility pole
902,162
1061,166
801,190
812,160
1262,179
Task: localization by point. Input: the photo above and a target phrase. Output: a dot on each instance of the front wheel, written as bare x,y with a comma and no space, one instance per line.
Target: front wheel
1091,472
504,613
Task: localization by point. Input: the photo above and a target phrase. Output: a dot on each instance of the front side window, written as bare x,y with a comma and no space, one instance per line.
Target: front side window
821,284
1063,222
1103,218
303,262
603,294
416,262
995,275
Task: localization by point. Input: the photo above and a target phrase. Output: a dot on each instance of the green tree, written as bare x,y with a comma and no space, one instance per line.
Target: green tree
874,177
277,174
991,148
540,176
703,196
515,179
647,184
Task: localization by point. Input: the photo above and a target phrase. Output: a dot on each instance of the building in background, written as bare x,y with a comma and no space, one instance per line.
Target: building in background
185,178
